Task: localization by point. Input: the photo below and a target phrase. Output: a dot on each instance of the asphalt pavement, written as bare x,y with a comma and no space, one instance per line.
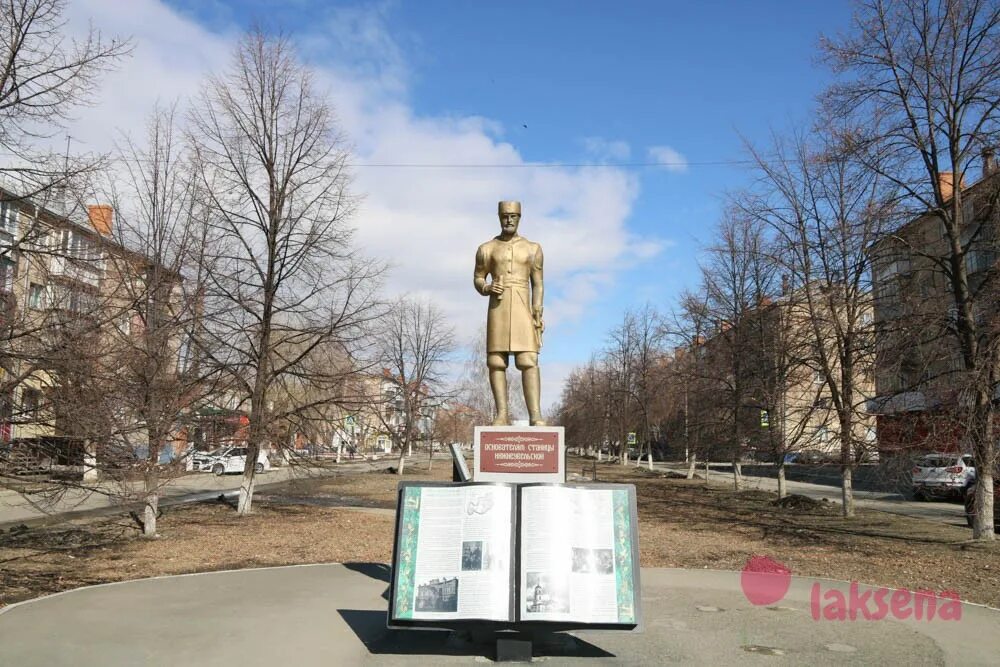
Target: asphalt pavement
335,615
944,511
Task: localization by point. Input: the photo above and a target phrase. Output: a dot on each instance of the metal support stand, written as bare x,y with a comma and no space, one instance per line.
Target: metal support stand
459,469
513,645
513,649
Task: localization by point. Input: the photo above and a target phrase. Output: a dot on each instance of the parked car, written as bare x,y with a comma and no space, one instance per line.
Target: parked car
942,475
970,503
228,459
816,456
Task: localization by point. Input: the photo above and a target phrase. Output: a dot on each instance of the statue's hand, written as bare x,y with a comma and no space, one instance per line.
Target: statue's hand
494,288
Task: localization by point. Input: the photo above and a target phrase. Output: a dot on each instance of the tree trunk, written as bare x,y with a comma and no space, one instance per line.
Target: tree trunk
847,461
982,524
985,457
782,485
737,476
247,486
402,460
650,460
152,504
430,457
706,471
692,462
847,491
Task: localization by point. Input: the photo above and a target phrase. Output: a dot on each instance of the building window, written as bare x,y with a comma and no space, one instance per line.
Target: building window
899,266
36,296
78,246
31,402
8,269
8,218
979,260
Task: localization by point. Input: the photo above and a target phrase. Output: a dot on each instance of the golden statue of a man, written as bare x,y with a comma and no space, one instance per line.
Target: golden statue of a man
514,319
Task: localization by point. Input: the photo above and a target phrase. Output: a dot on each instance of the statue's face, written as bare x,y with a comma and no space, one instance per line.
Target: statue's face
509,221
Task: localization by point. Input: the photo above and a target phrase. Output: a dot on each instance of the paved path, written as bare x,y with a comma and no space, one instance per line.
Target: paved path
952,513
335,615
16,508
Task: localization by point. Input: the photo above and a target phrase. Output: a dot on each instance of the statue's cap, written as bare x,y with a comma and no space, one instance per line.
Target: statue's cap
509,206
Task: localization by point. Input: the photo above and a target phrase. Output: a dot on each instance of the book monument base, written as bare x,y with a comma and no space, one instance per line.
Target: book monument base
516,551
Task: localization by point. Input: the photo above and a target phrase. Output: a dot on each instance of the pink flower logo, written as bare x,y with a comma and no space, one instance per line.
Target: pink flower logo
765,581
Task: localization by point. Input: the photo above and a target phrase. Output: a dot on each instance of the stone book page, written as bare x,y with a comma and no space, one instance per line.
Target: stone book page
576,555
454,559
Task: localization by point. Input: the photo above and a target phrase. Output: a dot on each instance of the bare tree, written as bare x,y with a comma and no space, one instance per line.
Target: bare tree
413,342
44,76
156,304
736,278
584,410
287,281
689,326
922,78
631,357
826,209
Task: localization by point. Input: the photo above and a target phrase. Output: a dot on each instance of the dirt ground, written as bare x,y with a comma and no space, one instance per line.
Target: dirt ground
682,524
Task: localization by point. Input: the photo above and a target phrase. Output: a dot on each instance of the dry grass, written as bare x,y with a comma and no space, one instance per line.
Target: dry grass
682,524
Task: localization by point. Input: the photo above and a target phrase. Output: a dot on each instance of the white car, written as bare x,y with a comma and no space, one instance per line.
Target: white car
942,475
229,459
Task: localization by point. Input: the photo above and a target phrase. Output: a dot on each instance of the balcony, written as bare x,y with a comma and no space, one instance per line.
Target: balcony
907,401
88,271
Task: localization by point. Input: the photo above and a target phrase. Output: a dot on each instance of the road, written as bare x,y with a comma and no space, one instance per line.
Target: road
949,512
17,508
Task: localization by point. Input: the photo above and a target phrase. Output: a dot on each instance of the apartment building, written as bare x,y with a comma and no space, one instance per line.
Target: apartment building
382,415
920,377
67,307
758,381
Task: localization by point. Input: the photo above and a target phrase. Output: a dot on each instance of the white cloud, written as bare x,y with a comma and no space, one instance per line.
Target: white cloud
607,150
426,222
672,160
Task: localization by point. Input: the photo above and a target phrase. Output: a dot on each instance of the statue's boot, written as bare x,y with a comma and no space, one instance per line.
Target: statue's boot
498,385
532,382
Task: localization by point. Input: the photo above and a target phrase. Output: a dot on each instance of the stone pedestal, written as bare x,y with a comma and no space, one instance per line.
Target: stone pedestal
520,454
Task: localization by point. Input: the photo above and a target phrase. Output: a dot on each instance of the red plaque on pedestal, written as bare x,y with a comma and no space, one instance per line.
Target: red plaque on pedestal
520,454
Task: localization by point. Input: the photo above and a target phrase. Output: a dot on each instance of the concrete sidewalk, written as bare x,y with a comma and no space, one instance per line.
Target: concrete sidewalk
335,615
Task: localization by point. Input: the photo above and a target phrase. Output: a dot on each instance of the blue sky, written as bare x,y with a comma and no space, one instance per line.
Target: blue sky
510,83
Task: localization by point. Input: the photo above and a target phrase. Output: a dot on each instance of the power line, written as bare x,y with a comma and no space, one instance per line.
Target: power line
483,165
546,165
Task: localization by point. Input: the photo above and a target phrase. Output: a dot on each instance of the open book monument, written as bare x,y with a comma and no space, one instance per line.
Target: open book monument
554,555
